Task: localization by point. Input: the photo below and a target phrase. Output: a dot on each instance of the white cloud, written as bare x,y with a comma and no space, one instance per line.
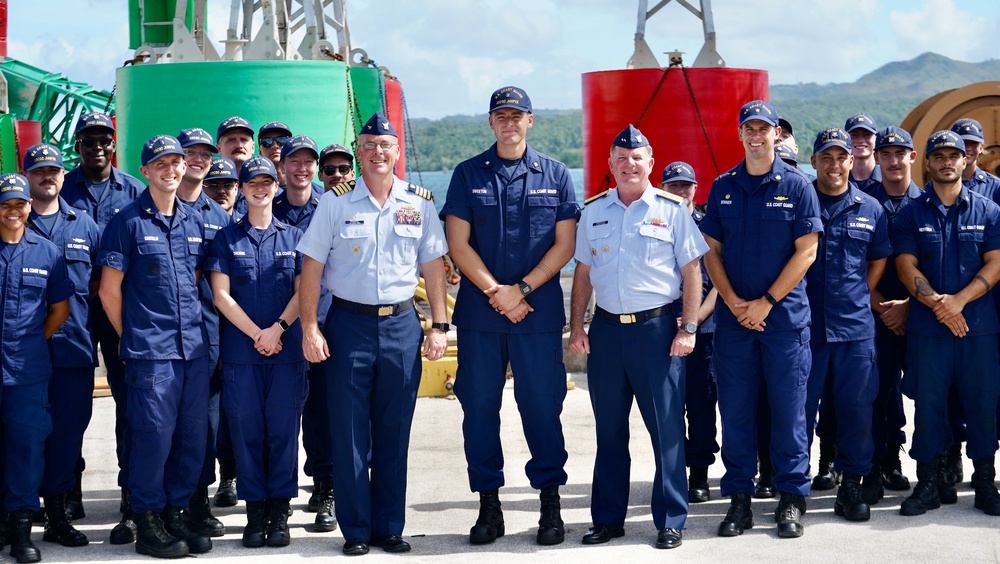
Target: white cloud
941,27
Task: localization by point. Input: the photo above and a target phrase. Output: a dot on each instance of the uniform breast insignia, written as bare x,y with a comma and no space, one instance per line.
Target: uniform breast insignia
656,222
344,188
408,215
420,191
597,197
672,197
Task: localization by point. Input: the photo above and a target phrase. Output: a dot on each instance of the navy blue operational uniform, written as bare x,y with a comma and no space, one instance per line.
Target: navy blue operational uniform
952,249
634,256
866,124
753,223
163,344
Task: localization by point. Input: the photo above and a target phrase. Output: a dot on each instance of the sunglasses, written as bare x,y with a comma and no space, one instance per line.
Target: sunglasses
267,142
330,170
91,142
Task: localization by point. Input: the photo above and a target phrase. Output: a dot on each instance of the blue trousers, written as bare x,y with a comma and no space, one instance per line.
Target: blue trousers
888,417
167,413
264,405
71,403
214,414
934,365
700,399
626,362
316,426
26,424
539,390
373,374
781,359
105,334
847,370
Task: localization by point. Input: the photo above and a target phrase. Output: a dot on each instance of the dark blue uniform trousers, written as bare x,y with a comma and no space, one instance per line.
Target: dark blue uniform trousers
71,404
105,334
888,417
539,390
847,370
264,405
626,362
316,428
26,424
374,372
782,359
700,399
934,364
167,413
214,414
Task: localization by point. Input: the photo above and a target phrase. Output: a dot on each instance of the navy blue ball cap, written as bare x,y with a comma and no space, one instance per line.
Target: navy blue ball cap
679,171
257,166
160,146
510,97
299,142
235,122
221,169
785,153
196,136
41,155
13,185
944,139
378,124
759,110
832,137
335,149
273,126
893,136
94,120
631,138
969,130
785,125
861,120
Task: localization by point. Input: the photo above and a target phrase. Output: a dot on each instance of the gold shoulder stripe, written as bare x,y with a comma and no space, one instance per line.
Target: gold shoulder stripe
421,191
672,197
344,188
597,197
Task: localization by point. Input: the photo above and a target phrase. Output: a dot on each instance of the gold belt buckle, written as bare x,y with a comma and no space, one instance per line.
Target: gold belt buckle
384,311
626,318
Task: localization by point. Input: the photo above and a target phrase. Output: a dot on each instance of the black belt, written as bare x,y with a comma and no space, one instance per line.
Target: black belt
630,318
379,310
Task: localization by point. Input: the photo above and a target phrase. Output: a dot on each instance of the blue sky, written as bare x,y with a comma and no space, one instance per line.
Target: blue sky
451,54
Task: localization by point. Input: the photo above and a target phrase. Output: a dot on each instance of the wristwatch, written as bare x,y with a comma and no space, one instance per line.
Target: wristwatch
525,288
283,324
442,326
689,327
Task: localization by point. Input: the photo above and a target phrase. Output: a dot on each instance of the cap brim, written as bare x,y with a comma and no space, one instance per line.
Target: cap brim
511,106
13,194
163,154
43,165
826,146
975,138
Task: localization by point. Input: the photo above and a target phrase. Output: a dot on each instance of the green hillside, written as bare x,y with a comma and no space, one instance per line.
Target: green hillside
888,94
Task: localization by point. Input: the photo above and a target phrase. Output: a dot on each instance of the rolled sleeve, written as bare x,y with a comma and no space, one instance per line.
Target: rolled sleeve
216,260
455,203
582,252
807,219
902,233
432,244
992,230
59,286
881,246
689,244
116,245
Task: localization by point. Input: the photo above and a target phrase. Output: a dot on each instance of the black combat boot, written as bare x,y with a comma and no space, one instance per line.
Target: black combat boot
791,508
253,533
764,489
550,523
326,520
698,491
58,527
738,518
953,472
872,489
987,497
277,523
74,499
925,494
225,496
313,505
850,502
199,516
19,535
826,477
892,470
489,525
174,523
153,539
947,492
125,531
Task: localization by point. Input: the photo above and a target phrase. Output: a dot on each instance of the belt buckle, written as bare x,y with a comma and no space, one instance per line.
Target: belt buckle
626,318
384,311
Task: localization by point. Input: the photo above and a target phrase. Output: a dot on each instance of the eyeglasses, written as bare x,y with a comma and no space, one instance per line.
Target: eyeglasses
267,142
330,170
227,185
91,142
371,146
192,153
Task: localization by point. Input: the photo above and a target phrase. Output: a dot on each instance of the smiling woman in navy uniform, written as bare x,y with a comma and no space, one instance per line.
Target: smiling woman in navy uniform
255,272
35,289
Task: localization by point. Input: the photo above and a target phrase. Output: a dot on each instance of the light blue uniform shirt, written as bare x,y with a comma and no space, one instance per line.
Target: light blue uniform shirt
635,253
372,255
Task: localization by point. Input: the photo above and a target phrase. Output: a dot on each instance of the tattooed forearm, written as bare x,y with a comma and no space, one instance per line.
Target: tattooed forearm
922,287
985,283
